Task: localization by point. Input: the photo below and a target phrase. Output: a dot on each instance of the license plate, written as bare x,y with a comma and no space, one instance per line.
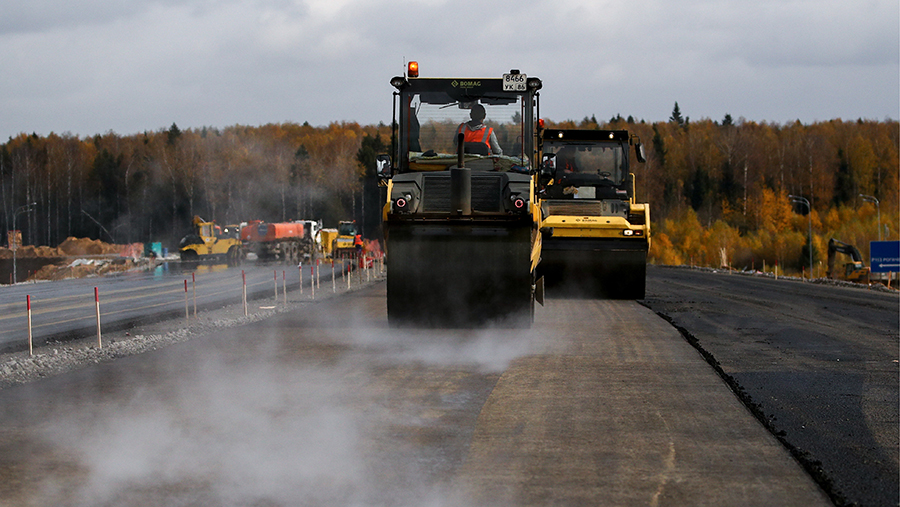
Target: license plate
514,82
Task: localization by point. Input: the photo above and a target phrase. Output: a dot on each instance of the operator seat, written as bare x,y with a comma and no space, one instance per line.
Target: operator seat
476,148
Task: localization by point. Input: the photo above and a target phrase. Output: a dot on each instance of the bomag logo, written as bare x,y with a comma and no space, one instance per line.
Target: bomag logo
465,84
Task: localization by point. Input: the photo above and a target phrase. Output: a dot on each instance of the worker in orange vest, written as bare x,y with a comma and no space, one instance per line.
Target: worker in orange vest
475,131
358,243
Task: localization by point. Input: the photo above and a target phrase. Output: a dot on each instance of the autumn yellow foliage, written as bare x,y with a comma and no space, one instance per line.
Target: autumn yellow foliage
719,192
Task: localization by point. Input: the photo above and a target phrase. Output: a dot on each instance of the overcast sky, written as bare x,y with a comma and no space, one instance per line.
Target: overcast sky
92,66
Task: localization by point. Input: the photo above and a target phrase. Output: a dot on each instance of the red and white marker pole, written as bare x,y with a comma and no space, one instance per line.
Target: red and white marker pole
300,270
187,316
30,342
275,279
284,285
244,291
97,305
312,280
333,286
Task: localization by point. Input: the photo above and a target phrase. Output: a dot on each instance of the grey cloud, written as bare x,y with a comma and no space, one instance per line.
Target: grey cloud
131,67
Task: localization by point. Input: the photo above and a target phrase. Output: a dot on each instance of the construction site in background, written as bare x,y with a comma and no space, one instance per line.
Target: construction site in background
292,243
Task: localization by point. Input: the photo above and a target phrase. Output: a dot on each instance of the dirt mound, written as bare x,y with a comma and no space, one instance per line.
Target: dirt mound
76,258
83,246
74,247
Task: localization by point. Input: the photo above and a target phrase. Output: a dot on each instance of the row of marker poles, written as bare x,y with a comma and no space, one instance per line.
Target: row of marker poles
314,281
30,331
312,278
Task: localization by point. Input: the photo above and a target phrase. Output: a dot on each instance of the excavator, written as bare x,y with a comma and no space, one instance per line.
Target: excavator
461,217
855,271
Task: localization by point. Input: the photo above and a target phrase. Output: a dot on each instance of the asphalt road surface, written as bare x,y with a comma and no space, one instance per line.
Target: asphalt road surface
817,363
68,308
601,403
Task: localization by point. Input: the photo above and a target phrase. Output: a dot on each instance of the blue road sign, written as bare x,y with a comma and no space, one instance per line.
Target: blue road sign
885,256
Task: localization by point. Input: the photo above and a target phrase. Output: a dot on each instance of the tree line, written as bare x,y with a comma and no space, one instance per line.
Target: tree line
147,187
718,189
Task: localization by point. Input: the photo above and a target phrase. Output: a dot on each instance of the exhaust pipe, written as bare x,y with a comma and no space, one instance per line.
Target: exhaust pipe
460,182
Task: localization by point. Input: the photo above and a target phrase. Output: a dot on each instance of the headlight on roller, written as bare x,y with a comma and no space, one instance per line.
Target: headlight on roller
402,203
517,203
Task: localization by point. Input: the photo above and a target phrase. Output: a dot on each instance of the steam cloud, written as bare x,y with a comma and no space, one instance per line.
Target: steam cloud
255,428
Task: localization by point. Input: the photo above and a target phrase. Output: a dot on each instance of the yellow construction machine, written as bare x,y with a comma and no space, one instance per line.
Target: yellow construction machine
209,243
595,235
344,245
854,271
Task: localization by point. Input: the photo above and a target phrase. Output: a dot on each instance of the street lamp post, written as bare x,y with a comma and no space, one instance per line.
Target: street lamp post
873,200
802,200
21,209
